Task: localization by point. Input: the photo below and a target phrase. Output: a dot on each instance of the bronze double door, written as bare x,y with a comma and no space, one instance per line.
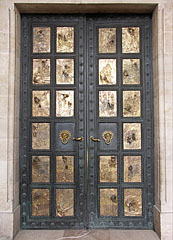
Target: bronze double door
86,147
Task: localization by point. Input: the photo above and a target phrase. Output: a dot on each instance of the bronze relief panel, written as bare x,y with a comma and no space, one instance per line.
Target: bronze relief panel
108,168
40,103
64,71
65,39
132,135
64,202
132,202
41,71
41,39
64,168
40,168
40,135
40,202
107,71
107,103
107,40
108,202
131,40
132,169
131,103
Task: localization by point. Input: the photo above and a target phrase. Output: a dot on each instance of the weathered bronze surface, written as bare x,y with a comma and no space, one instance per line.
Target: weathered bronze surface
132,135
40,135
108,168
107,103
40,202
130,40
41,71
65,39
107,136
132,202
108,202
65,71
107,40
40,168
41,39
64,202
132,168
65,168
107,71
131,71
40,103
131,103
64,103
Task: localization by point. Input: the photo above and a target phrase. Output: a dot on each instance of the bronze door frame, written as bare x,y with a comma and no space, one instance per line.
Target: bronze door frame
86,123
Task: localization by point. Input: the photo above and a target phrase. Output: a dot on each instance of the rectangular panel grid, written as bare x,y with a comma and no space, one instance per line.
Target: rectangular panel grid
86,76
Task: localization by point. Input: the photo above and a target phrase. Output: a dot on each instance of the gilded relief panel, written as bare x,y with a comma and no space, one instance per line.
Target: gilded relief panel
40,168
40,103
132,136
65,71
108,202
64,103
107,103
132,168
41,39
65,39
64,202
107,71
64,168
108,168
131,104
40,202
130,40
131,71
132,202
107,40
40,135
41,71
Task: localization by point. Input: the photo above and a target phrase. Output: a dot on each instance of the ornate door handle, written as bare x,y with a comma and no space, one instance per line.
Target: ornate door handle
78,139
95,139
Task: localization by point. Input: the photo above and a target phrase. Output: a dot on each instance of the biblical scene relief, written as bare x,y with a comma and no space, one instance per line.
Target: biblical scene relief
132,202
40,169
131,104
41,71
108,169
107,103
107,71
64,202
41,39
107,40
108,202
40,135
65,39
65,71
132,135
40,103
64,168
40,202
132,168
131,71
130,40
64,103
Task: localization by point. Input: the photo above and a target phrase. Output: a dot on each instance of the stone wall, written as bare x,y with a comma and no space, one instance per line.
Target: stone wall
9,100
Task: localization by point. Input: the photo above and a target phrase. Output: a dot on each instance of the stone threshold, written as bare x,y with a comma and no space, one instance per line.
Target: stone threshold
87,235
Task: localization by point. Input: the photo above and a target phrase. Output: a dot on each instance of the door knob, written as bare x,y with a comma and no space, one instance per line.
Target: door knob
78,139
95,139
